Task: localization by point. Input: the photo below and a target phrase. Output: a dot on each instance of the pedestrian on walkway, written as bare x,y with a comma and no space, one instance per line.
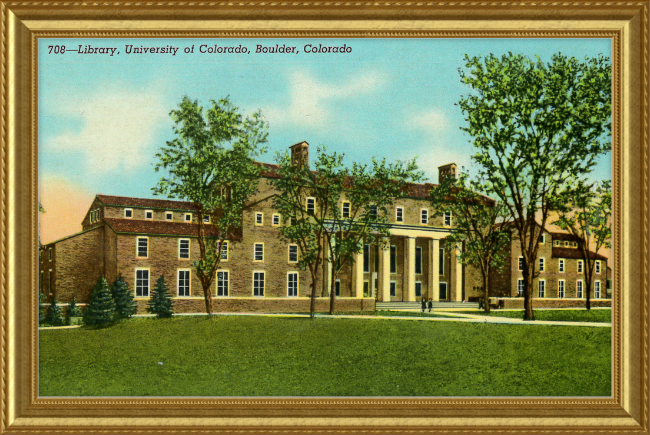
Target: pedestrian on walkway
430,304
424,304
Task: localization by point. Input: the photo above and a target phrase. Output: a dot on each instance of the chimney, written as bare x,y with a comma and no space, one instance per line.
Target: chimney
300,154
445,171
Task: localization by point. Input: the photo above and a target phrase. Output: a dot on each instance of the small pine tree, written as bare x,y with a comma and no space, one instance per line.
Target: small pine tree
41,307
101,307
124,303
72,311
161,303
54,316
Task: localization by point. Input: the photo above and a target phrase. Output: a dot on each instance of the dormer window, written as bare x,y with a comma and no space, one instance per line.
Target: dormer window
169,215
557,243
148,214
566,244
128,213
206,219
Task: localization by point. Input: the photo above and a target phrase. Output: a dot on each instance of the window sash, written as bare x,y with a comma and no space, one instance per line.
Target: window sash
597,289
292,284
223,279
541,265
183,283
418,260
224,251
259,218
424,216
142,283
259,252
560,289
311,205
561,265
293,253
447,218
393,259
143,247
345,210
276,219
418,289
579,289
393,288
521,263
520,287
580,266
258,283
597,266
373,212
441,262
366,258
184,248
542,288
337,287
399,214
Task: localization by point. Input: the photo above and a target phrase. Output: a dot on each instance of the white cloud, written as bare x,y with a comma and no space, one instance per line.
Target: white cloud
310,98
433,122
117,128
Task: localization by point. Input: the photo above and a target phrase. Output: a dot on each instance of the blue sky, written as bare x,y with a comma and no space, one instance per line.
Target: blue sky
102,118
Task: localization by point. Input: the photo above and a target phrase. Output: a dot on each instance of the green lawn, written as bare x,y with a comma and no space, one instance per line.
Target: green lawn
583,315
266,356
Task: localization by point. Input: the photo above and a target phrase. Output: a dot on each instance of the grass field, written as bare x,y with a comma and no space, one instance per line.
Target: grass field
599,315
266,356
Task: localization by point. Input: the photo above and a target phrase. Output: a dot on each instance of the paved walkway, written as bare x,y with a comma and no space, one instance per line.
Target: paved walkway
451,317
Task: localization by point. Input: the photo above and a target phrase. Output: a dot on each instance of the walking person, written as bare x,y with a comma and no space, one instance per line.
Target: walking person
424,304
430,304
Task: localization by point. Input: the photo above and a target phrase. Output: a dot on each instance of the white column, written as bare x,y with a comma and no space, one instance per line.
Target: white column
434,269
409,268
357,274
459,276
384,275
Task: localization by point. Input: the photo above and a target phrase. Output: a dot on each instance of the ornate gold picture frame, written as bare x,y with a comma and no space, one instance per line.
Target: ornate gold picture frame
626,23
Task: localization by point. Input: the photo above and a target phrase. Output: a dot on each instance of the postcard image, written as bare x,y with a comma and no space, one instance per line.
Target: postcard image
325,217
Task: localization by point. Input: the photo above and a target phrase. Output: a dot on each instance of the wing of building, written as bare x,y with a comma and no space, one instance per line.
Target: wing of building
142,239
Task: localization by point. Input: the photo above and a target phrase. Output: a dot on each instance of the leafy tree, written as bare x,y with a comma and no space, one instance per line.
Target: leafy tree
54,316
478,225
588,217
101,307
124,303
210,162
325,230
72,311
538,129
160,303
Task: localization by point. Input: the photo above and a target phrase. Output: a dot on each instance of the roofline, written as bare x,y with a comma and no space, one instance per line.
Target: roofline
73,235
143,207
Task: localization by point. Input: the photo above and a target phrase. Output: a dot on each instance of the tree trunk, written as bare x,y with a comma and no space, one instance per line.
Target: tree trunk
486,292
207,296
332,290
312,302
529,314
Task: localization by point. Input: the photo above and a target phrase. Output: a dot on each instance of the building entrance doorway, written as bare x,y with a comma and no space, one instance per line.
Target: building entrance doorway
443,291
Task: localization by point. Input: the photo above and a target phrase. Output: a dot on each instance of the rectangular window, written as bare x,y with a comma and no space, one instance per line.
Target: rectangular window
366,258
424,216
258,253
224,251
148,214
311,205
337,287
418,260
276,220
580,266
49,281
183,283
542,239
579,286
399,214
561,265
293,253
223,282
520,287
441,262
393,259
259,219
206,219
542,288
258,283
345,209
142,283
418,289
366,289
292,284
373,212
521,263
447,218
188,217
597,289
541,265
143,247
597,266
128,213
49,254
184,248
557,243
560,288
393,288
169,215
